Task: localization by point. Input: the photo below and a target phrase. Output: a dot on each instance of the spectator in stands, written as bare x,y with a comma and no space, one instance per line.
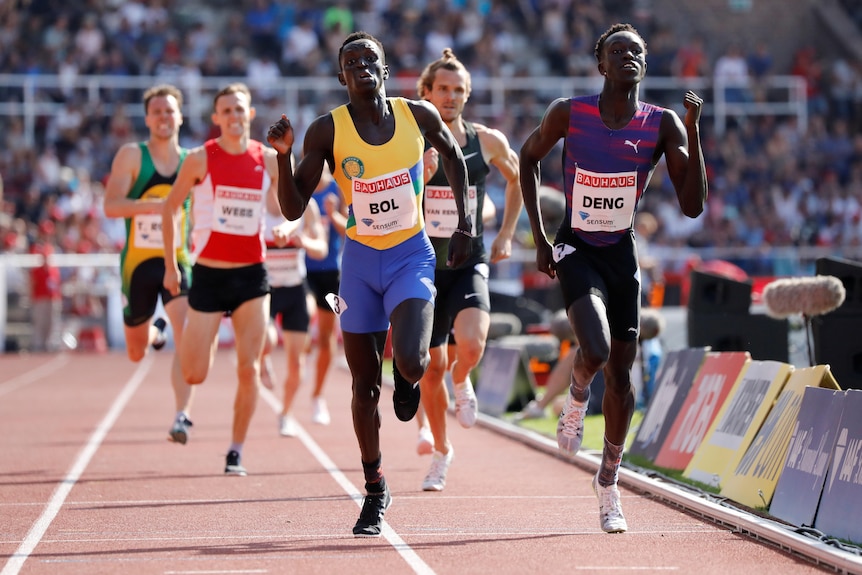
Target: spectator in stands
263,75
89,40
843,83
691,59
807,66
200,42
261,21
46,298
645,227
338,15
301,50
760,68
731,71
560,377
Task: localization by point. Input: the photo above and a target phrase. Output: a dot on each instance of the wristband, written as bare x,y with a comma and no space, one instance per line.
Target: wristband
464,232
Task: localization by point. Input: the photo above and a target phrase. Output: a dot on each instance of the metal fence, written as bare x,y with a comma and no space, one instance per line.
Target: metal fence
32,97
505,102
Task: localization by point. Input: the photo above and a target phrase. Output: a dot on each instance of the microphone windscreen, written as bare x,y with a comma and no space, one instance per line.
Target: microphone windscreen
561,327
808,296
652,323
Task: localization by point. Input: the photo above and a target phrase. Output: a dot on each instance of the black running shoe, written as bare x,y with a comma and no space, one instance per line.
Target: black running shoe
161,338
179,433
370,522
406,397
233,466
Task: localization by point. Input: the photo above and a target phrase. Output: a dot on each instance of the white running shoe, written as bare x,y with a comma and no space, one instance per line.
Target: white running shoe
267,374
570,427
466,406
287,426
610,508
425,443
531,411
319,411
436,478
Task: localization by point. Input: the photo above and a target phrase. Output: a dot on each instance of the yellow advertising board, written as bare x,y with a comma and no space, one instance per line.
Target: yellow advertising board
738,420
753,479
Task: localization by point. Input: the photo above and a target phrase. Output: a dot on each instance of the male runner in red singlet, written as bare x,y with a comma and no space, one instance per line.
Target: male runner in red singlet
232,178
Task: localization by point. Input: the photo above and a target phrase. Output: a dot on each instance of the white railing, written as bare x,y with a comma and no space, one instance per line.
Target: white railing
100,281
32,96
507,275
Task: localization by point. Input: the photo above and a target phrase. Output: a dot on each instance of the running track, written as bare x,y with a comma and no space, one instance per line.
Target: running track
89,485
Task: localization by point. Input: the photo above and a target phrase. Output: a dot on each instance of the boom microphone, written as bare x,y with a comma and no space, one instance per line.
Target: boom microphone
808,296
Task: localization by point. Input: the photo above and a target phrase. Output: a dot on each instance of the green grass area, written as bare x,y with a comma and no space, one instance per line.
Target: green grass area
594,429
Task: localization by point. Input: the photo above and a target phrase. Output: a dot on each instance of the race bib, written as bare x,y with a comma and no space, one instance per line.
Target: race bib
603,202
283,267
385,204
441,215
561,251
338,305
147,232
237,211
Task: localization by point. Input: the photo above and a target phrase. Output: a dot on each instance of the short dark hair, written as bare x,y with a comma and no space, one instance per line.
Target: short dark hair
360,35
618,27
235,88
162,90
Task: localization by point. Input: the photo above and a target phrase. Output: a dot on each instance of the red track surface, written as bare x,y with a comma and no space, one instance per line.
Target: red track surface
89,485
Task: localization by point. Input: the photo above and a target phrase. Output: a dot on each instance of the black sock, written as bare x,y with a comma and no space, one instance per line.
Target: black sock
396,375
374,480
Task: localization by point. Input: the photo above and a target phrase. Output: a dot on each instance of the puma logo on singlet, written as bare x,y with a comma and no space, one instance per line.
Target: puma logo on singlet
632,144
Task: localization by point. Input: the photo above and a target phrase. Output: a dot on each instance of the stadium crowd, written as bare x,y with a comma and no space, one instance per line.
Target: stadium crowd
771,184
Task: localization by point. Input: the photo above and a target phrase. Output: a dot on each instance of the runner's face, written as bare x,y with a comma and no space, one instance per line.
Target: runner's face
163,117
624,57
449,93
233,114
362,66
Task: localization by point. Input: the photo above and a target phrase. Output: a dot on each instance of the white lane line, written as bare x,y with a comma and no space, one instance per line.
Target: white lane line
594,568
210,572
413,532
139,502
37,531
411,557
36,374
